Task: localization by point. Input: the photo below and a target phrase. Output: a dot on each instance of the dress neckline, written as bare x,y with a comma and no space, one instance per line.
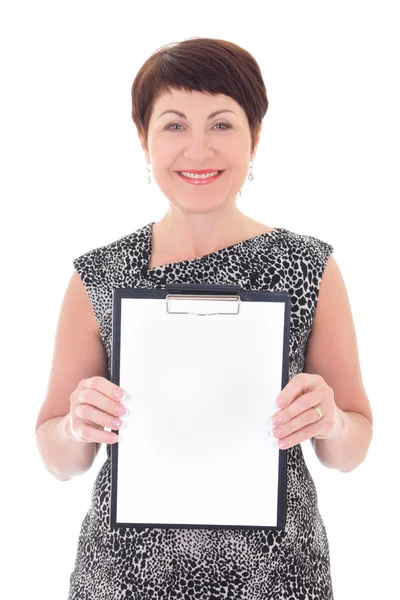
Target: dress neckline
205,256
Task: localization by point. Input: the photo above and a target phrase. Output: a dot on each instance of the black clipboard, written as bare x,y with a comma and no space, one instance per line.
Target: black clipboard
171,348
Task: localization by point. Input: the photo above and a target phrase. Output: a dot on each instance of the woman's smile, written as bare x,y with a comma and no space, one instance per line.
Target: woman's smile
200,180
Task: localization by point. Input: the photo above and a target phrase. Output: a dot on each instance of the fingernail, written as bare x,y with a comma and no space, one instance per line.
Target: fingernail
278,432
119,394
276,420
280,402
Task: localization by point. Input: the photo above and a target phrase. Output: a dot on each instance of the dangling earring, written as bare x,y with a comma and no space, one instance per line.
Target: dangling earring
148,173
250,177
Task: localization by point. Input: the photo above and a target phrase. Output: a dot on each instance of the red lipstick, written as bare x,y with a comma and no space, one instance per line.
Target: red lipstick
195,172
200,181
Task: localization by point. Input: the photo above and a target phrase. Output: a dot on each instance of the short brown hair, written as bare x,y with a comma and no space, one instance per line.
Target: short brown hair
205,65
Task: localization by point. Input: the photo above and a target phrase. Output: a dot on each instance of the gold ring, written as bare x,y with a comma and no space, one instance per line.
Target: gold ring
319,413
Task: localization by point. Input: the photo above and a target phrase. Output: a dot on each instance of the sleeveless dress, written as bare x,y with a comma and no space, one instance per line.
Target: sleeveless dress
205,564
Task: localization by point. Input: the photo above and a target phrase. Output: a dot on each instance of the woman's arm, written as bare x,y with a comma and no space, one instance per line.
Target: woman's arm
350,448
62,455
78,354
332,353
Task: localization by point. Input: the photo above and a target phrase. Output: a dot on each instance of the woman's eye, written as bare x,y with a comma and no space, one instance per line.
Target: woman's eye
179,125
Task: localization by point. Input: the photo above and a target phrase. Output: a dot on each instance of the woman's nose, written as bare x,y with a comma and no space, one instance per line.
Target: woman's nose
199,148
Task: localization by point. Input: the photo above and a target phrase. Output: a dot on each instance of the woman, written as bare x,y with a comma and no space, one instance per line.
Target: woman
198,108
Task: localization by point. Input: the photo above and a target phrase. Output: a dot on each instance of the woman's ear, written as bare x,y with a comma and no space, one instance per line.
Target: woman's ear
257,140
143,147
141,141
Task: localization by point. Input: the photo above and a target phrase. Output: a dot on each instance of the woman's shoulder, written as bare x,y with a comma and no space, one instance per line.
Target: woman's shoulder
96,264
306,243
139,236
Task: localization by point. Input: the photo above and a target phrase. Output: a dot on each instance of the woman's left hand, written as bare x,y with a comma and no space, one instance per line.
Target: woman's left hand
299,420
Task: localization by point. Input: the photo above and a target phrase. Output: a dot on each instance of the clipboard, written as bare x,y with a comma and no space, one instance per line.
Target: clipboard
202,366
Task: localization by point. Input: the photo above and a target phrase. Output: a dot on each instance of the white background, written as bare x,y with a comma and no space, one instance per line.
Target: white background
74,178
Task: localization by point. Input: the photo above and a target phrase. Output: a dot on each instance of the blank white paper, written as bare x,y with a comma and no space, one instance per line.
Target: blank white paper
196,446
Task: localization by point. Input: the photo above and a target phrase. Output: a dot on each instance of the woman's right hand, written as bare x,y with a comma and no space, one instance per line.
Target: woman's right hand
94,406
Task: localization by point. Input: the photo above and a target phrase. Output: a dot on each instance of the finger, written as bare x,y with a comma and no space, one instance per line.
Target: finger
306,417
93,434
300,405
104,386
97,417
89,432
299,436
298,385
97,399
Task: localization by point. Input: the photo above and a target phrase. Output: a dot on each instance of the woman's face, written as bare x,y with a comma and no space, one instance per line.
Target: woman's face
197,141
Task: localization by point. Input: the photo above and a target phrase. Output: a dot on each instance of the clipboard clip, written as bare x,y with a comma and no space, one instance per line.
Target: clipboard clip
232,303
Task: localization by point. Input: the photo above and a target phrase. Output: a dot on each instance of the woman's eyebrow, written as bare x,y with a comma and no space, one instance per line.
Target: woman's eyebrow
180,114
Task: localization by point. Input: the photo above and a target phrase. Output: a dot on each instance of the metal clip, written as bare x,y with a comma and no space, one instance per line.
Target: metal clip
203,298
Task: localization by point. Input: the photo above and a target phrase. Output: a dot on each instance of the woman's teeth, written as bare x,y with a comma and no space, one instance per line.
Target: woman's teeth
203,176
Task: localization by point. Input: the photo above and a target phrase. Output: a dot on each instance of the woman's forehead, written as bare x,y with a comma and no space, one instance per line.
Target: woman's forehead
192,101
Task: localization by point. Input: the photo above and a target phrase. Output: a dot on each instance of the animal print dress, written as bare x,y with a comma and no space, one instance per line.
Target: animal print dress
209,564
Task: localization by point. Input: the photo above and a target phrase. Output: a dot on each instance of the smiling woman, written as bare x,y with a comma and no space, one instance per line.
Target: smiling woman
216,89
198,108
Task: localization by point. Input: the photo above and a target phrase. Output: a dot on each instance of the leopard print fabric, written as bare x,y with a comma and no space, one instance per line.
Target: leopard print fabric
209,564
